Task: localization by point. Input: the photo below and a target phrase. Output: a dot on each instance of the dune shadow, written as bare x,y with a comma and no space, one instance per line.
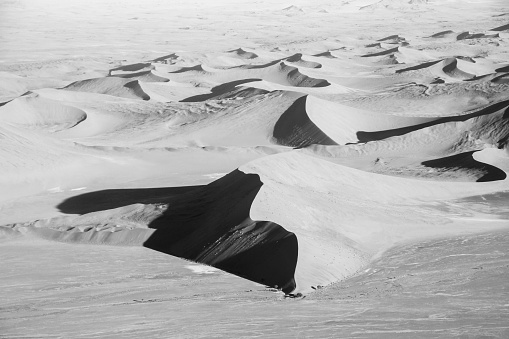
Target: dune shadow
211,225
220,90
114,198
295,129
388,51
363,136
466,161
417,67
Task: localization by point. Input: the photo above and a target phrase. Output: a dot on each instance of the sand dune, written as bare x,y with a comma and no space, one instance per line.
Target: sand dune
125,88
500,28
442,34
385,52
241,53
146,76
35,112
297,60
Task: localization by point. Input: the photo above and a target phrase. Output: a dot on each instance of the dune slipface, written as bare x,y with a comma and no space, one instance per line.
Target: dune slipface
125,88
295,129
212,226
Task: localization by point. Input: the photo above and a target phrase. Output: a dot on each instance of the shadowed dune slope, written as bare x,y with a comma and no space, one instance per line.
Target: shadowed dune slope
490,124
212,226
500,28
297,60
241,53
145,76
295,129
125,88
388,51
110,199
466,162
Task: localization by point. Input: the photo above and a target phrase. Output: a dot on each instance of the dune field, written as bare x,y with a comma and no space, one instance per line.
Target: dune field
198,169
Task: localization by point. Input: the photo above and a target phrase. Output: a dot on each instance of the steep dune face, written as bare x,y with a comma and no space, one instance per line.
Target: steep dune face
294,128
213,226
243,54
298,60
146,76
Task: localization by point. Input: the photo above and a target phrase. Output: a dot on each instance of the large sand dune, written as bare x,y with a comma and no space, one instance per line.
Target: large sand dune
298,146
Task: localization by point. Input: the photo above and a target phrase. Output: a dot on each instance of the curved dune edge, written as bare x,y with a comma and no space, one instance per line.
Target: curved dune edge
295,129
34,112
115,86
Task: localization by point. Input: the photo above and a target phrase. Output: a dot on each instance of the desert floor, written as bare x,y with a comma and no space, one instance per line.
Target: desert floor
254,169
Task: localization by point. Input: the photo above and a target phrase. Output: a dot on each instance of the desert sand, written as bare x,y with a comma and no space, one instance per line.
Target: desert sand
254,169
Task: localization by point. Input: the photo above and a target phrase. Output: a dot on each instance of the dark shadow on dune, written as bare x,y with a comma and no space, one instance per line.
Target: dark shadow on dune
466,162
451,69
164,58
501,79
149,74
468,35
271,63
390,37
131,68
243,54
298,58
388,51
221,91
114,198
197,68
327,54
297,79
295,129
211,225
441,34
136,88
417,67
500,28
379,135
502,69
